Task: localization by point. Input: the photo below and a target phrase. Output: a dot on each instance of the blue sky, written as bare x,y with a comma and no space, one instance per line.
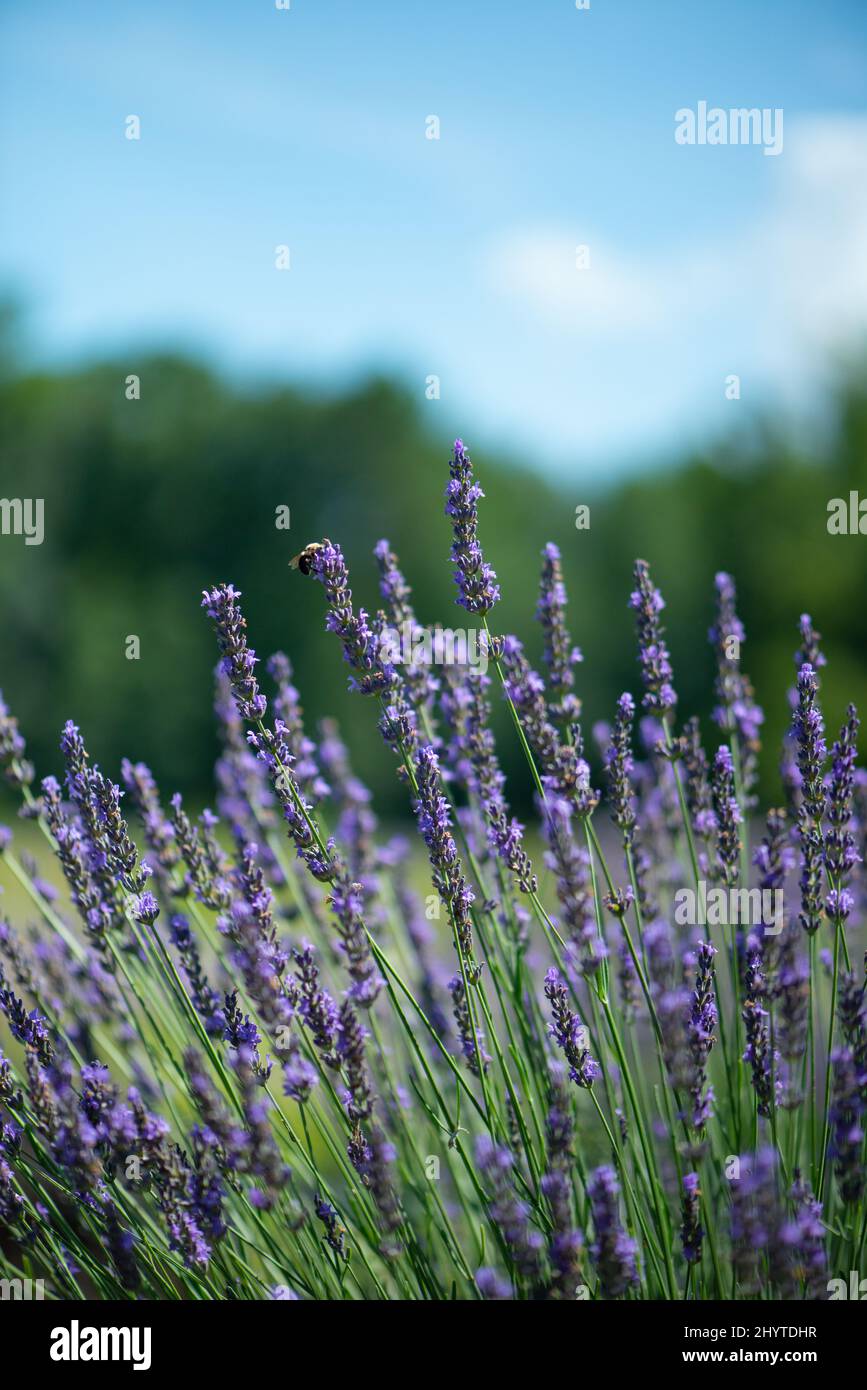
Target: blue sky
453,257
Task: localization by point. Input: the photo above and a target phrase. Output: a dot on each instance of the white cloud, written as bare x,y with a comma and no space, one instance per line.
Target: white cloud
772,300
818,230
799,266
607,296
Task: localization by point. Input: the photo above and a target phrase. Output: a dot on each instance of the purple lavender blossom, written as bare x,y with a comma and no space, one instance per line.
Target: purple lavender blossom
92,834
727,814
571,864
478,589
762,1234
357,825
852,1013
474,748
569,1033
238,661
774,856
619,766
28,1027
146,909
434,821
565,1242
288,712
335,1232
653,658
792,1003
691,1231
493,1286
736,710
317,1009
300,1076
114,838
272,750
687,1013
360,645
239,1030
421,685
847,1129
373,1156
429,989
809,731
365,651
472,1039
346,902
565,772
205,875
759,1053
508,1212
121,1245
159,832
15,766
809,652
612,1250
262,1157
698,794
840,853
205,1000
560,656
701,1025
805,1236
358,1096
257,953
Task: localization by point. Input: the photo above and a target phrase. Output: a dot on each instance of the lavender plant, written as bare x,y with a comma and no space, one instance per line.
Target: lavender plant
273,1052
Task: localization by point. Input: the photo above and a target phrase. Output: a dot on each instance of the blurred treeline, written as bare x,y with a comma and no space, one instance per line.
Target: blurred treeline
149,501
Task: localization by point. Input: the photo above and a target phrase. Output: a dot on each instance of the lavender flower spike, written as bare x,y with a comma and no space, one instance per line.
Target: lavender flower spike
365,651
613,1251
238,661
560,655
569,1033
509,1213
809,730
691,1232
434,821
728,816
736,709
847,1115
16,769
700,1025
360,643
565,1242
619,766
840,853
476,581
653,656
762,1235
472,1039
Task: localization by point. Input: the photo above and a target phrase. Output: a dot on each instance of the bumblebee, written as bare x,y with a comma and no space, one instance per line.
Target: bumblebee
302,560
